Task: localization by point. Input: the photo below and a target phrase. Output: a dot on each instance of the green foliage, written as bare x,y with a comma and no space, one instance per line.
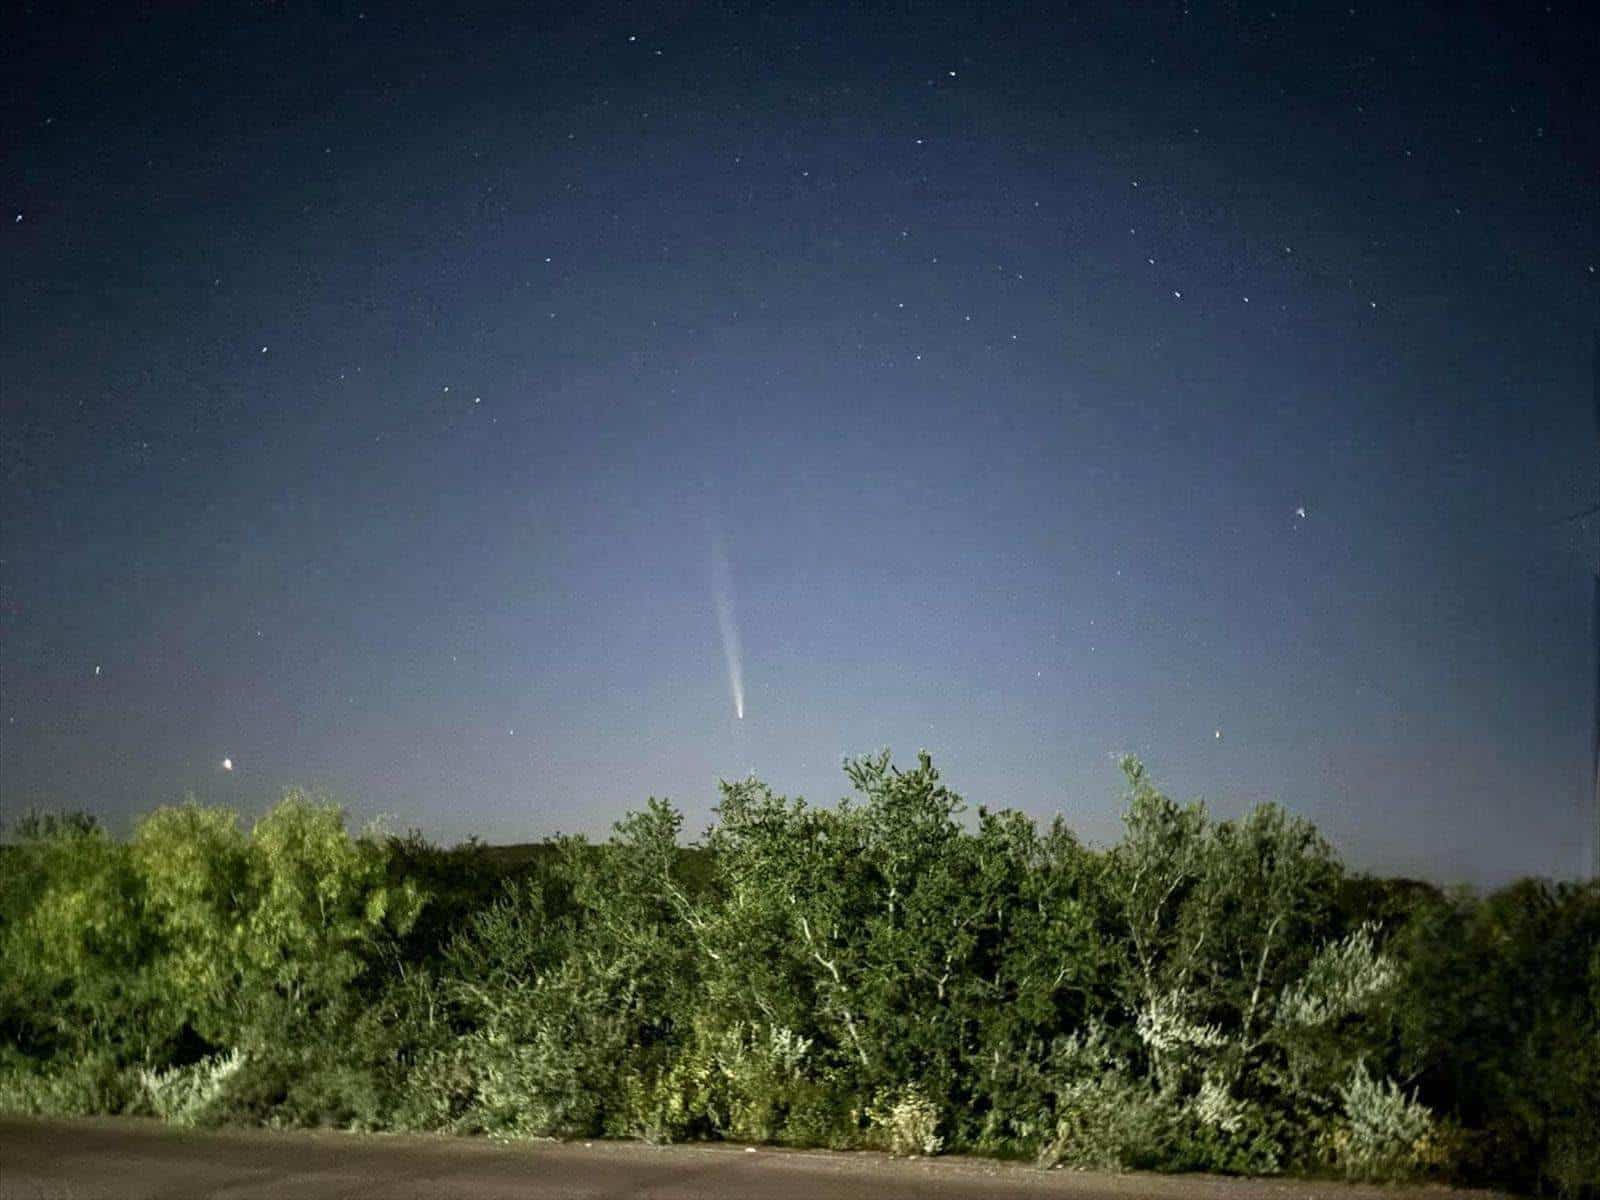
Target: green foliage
71,1087
193,972
320,910
907,1121
1498,1020
1111,1124
196,870
1385,1133
75,952
191,1095
889,972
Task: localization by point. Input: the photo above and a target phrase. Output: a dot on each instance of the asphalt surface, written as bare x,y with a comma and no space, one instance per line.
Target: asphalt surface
132,1160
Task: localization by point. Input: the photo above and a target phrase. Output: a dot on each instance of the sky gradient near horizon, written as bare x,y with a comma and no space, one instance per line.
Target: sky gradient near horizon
409,404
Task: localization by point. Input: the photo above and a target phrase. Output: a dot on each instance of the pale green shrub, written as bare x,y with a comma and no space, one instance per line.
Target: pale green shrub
1347,976
1102,1114
741,1083
907,1121
188,1096
1109,1124
1386,1134
823,1110
1174,1039
1216,1108
765,1071
674,1102
1222,1131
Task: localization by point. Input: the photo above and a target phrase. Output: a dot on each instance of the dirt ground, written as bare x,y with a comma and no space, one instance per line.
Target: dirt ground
133,1160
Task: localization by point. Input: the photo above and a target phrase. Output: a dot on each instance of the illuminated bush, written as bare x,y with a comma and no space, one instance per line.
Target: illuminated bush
190,1095
1207,994
1385,1134
907,1121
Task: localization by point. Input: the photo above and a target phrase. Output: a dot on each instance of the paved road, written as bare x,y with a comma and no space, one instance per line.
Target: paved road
134,1160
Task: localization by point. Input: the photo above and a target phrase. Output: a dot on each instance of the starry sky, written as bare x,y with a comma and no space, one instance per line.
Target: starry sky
464,409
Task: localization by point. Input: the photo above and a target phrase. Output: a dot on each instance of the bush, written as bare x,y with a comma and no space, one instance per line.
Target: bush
330,1094
1205,995
190,1096
741,1083
76,954
91,1086
1111,1124
766,1080
907,1121
1386,1134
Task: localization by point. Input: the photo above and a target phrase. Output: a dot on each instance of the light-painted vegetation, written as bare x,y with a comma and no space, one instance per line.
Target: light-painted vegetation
191,1095
1204,995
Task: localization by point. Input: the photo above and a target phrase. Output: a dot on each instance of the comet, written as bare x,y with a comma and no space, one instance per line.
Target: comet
722,598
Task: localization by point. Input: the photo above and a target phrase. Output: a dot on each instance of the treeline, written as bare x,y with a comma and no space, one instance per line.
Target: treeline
1204,995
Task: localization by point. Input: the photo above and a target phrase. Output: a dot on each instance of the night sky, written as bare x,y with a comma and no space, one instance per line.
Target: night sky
428,404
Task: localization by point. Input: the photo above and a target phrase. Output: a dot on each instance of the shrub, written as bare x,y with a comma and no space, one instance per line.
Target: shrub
907,1121
881,973
437,1093
75,950
1348,976
325,1093
766,1078
1222,1132
1386,1134
89,1086
822,1114
189,1096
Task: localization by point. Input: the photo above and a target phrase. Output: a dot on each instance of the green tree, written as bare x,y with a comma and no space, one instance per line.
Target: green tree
195,867
321,912
76,949
1499,1024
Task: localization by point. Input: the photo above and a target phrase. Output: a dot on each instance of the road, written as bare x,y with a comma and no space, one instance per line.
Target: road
134,1160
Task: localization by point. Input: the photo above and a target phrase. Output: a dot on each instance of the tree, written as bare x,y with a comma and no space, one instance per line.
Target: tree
75,949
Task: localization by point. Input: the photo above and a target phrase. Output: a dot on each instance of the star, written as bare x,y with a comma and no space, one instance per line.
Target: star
227,764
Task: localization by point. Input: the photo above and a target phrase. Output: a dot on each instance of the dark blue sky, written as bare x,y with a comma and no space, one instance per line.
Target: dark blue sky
379,381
